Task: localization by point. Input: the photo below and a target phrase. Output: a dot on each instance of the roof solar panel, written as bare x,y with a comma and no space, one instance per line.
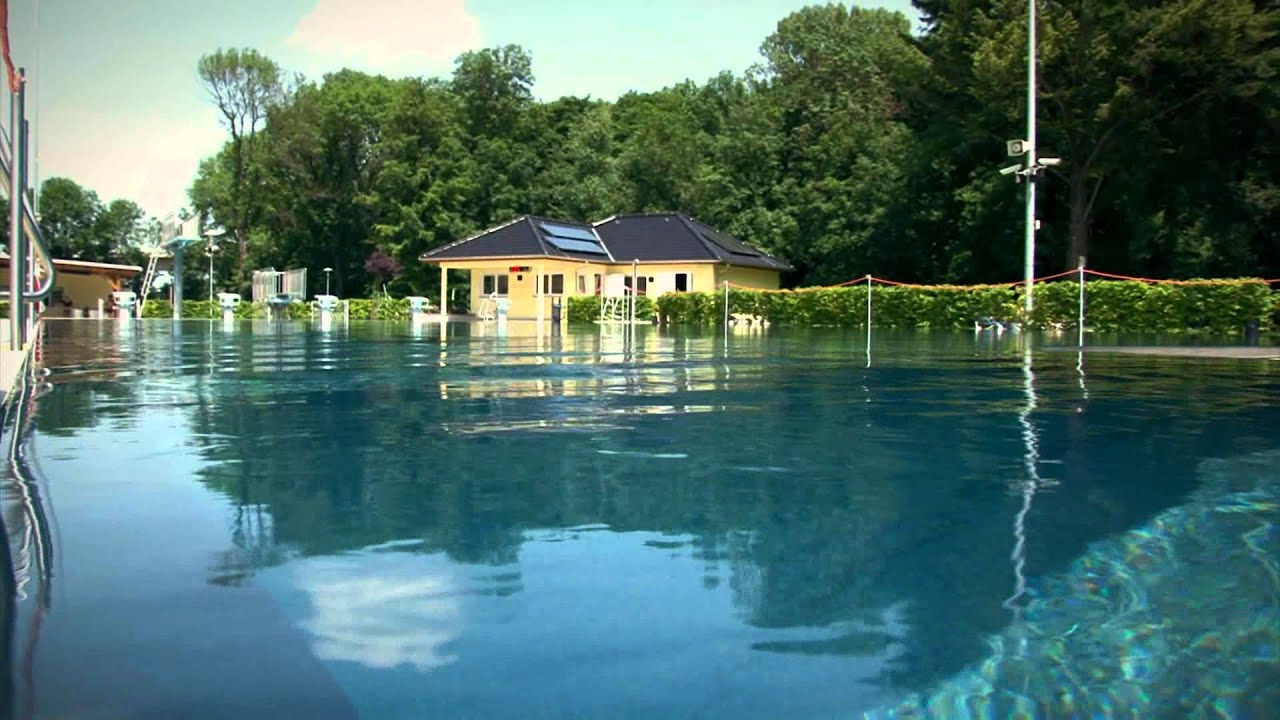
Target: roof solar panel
582,246
571,233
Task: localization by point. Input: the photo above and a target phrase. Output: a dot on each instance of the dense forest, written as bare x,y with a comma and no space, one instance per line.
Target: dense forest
857,144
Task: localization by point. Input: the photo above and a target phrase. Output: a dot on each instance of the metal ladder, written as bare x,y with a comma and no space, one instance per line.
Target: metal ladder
614,310
146,281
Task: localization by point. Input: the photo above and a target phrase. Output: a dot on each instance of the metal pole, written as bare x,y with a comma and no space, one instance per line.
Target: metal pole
1080,319
32,309
868,321
726,303
17,258
35,203
635,286
1029,252
726,317
178,252
211,272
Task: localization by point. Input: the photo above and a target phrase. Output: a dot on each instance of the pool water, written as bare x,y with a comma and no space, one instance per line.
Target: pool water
375,521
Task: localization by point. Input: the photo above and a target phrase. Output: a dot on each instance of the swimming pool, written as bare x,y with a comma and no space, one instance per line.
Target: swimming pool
278,520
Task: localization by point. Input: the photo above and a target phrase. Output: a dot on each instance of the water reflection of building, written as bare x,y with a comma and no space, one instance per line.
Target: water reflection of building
614,360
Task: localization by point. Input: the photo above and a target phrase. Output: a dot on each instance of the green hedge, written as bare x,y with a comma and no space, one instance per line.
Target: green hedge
586,309
361,309
1222,306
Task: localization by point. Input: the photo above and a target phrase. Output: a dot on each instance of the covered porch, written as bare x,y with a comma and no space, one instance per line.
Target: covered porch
530,288
81,285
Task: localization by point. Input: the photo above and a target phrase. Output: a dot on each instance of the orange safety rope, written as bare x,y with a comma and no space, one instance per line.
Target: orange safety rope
895,283
4,46
1017,283
1156,281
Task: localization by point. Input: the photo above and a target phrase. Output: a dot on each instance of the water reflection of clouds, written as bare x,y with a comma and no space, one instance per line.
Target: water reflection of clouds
381,609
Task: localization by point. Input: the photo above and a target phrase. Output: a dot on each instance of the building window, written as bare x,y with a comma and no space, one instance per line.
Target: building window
582,284
495,284
642,284
683,282
553,284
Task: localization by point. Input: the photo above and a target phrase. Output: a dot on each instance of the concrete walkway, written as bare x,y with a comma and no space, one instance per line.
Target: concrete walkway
10,363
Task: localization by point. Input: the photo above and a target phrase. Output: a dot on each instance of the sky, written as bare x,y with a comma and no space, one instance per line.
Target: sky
117,106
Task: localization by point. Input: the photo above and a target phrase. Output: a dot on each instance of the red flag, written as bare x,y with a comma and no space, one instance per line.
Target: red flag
4,42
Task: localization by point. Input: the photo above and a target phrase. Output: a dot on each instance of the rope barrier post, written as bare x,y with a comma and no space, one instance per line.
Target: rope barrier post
868,306
726,303
1080,319
868,320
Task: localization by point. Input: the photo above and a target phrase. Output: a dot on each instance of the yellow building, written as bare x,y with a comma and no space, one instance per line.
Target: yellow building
79,285
534,261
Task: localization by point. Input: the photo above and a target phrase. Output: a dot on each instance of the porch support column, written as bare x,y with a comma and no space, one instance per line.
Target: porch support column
444,291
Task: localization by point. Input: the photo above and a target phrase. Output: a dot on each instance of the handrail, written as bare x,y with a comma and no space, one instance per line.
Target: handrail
32,228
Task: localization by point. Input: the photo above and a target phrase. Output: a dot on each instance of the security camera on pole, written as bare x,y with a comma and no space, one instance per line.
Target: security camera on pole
1031,167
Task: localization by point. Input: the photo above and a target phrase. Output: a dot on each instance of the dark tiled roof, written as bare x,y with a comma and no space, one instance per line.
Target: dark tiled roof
522,237
654,237
516,238
665,237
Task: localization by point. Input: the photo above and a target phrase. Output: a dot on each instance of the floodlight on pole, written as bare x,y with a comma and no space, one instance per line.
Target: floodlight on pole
211,233
326,279
1029,251
1031,166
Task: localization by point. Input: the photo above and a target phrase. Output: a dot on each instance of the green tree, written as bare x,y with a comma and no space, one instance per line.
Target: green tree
832,76
1128,91
854,147
495,86
68,219
244,85
119,229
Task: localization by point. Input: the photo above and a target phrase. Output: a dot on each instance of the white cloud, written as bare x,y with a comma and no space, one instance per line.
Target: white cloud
381,610
392,36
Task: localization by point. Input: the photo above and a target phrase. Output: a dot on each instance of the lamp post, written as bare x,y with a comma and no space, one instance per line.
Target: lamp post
326,279
1029,249
211,234
1031,167
213,248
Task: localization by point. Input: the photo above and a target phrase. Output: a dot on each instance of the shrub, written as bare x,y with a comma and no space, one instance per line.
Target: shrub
586,308
1221,306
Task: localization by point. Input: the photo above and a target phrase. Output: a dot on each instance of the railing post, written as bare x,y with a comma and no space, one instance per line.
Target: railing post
17,254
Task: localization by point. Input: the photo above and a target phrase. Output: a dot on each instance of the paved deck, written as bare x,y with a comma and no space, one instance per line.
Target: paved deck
1242,352
10,363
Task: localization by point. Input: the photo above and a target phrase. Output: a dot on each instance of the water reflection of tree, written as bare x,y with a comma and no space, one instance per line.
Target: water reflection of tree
835,519
84,405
